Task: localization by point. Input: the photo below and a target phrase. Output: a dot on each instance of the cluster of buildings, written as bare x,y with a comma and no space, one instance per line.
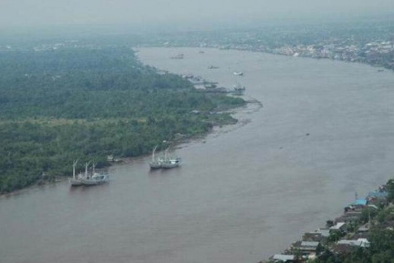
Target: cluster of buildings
375,53
41,47
370,42
342,235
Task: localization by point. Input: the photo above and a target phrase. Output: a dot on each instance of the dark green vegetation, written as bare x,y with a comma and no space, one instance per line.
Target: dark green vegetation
381,236
381,249
60,105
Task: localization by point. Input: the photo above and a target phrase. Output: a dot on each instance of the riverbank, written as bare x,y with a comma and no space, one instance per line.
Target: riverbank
366,41
39,184
241,196
319,132
356,235
345,54
175,144
142,109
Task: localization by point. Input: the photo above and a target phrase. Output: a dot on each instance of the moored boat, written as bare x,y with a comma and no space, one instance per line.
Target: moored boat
95,178
74,181
170,162
155,163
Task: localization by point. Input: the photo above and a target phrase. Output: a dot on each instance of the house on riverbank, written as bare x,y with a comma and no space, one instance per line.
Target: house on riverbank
346,234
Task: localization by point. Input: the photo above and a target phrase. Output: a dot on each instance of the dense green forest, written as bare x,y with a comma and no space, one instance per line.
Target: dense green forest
77,103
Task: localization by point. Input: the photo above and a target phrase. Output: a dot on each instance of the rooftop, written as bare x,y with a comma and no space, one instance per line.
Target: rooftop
283,258
338,226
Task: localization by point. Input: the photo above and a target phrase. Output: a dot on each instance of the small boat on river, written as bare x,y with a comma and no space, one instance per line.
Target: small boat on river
170,162
95,178
77,180
238,73
87,179
74,181
155,163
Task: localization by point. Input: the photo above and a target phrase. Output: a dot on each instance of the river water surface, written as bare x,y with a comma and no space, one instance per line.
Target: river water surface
324,131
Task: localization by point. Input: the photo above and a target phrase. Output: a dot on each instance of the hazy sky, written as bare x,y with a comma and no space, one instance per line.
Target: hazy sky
65,12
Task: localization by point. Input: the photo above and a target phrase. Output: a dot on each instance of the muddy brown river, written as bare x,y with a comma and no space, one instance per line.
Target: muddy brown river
322,131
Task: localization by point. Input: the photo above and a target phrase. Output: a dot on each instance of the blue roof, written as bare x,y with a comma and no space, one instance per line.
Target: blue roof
360,202
377,194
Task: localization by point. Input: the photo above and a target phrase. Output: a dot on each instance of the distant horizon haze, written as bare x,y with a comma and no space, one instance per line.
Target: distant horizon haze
185,14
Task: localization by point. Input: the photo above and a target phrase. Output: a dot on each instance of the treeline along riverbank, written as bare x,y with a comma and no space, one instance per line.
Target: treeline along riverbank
83,103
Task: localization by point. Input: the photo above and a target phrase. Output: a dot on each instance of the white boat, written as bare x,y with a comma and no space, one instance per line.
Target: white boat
74,181
95,178
77,180
170,162
155,163
238,73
